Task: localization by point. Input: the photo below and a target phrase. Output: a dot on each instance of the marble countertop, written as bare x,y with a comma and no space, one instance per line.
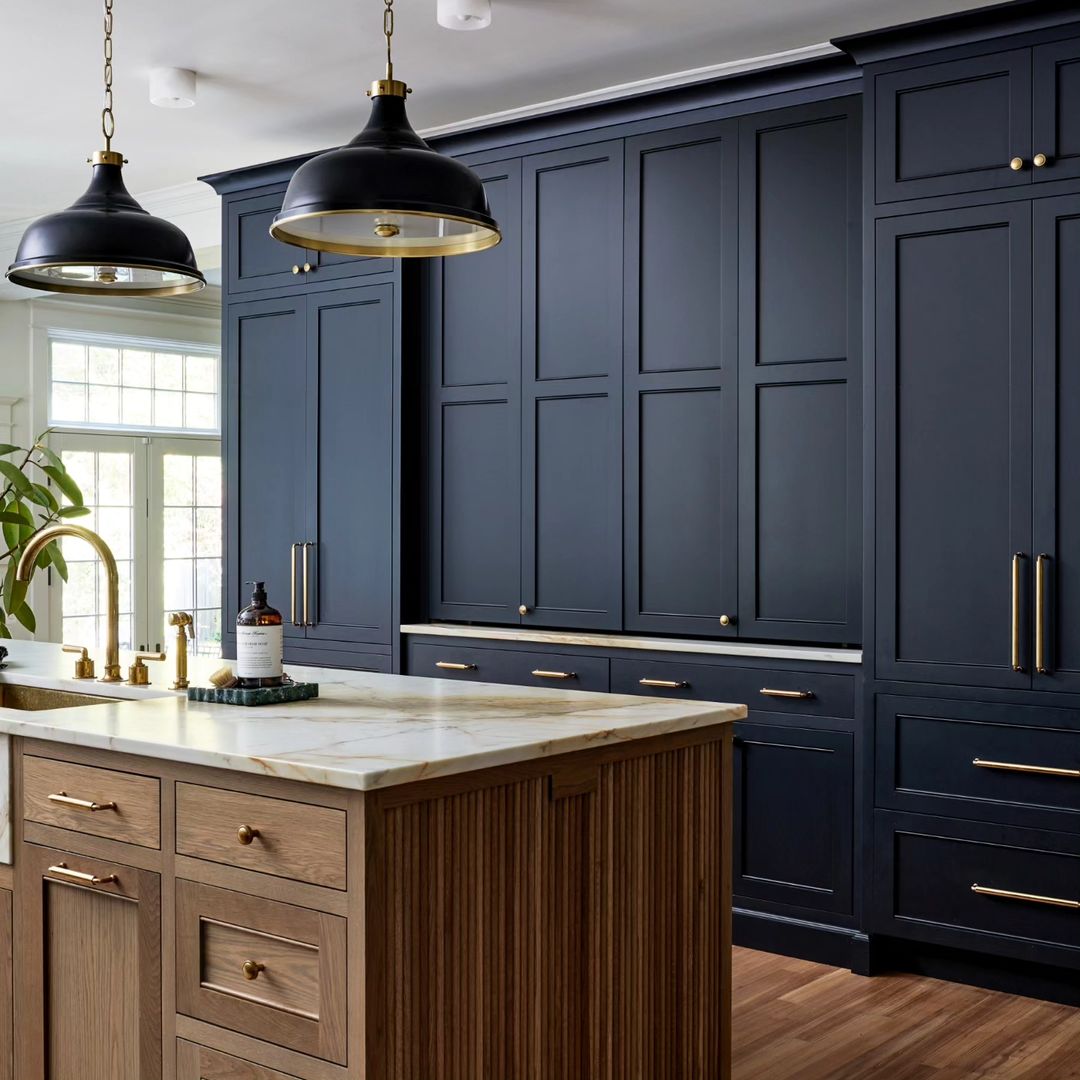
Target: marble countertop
364,731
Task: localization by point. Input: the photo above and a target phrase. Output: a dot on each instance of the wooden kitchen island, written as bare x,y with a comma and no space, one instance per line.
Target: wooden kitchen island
401,880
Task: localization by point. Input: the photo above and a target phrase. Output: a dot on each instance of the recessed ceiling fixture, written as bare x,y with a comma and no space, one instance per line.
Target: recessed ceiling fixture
464,14
386,192
106,242
172,88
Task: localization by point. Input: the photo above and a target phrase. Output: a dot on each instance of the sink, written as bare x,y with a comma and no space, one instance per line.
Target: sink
36,698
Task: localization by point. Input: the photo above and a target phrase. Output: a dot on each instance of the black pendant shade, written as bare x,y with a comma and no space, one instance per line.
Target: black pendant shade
106,242
386,193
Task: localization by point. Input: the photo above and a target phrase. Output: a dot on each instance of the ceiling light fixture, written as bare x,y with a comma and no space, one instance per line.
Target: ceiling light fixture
105,242
172,88
386,192
464,14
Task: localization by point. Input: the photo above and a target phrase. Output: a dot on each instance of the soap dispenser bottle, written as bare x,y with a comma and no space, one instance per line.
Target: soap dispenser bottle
259,642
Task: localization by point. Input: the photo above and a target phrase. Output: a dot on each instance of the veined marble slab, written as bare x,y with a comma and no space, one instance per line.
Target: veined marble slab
364,731
817,653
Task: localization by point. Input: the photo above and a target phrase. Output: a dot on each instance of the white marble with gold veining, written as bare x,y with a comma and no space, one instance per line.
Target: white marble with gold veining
524,634
364,731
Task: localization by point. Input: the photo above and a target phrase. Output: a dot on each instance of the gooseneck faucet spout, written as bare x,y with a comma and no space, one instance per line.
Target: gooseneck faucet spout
26,567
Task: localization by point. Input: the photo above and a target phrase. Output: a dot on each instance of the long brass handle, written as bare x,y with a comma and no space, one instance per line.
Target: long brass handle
1015,637
252,968
449,665
1031,898
1009,766
793,695
664,684
292,584
61,870
82,804
307,620
541,674
1040,613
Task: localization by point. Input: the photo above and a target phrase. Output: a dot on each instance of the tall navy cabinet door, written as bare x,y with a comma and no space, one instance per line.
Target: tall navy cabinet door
352,369
953,127
799,374
571,540
473,393
1056,101
680,404
265,446
1057,442
954,456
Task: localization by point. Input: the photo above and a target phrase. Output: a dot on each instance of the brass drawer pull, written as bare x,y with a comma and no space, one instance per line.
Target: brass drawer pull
292,585
252,969
1031,898
448,665
1008,766
245,834
61,870
664,684
65,799
308,544
790,695
541,674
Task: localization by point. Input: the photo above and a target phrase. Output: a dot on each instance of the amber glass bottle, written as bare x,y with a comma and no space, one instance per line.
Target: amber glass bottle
259,642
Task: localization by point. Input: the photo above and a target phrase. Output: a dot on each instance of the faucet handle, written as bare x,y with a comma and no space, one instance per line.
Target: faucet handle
180,619
139,673
84,666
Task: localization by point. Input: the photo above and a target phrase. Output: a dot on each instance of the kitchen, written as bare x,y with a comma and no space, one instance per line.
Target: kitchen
657,486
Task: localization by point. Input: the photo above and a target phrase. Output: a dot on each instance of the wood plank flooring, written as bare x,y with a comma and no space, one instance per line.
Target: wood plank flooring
794,1020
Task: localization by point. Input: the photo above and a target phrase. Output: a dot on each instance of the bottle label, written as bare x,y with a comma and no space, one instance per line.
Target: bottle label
258,652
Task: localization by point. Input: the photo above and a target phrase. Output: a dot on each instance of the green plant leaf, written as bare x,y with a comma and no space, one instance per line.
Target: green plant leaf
58,560
44,558
7,448
52,458
74,511
15,477
9,518
41,495
64,482
9,583
26,617
4,631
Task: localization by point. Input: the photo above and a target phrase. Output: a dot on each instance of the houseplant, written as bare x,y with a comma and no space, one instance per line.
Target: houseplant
37,492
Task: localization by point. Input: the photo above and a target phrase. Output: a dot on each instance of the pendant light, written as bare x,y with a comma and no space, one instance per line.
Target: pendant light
105,242
386,192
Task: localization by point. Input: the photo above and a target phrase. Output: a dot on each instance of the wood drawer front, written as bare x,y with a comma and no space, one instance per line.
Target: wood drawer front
928,865
927,749
298,998
194,1062
831,695
510,666
294,840
136,818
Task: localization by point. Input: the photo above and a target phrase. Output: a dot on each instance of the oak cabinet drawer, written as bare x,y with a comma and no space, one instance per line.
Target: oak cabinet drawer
1019,765
806,693
269,970
194,1062
1010,891
99,802
467,663
272,836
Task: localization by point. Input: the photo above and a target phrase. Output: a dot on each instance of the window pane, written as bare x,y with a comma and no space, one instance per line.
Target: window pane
179,586
80,463
138,408
201,411
104,365
114,480
202,373
168,409
68,402
80,592
177,479
168,371
138,368
207,532
114,527
208,480
104,405
68,362
208,632
179,537
208,583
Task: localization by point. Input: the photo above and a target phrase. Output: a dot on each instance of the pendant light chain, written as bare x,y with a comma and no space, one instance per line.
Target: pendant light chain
388,30
108,121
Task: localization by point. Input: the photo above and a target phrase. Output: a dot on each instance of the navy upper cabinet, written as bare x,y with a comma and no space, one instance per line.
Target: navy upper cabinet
352,463
571,387
473,346
799,374
954,446
681,348
1056,70
1057,448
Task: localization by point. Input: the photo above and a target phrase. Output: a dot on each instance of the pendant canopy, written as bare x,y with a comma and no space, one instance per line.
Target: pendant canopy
386,192
105,242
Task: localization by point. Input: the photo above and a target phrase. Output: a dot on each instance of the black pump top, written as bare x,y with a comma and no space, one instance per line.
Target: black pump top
258,596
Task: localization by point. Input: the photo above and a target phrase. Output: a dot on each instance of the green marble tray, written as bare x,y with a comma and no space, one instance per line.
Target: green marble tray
262,695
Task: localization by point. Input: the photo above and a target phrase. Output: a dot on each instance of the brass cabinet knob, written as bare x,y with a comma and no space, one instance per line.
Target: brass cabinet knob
1039,160
307,268
251,969
523,610
1016,164
727,620
245,834
296,268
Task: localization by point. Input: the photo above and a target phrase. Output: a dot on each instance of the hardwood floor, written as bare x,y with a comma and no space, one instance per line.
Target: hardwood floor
794,1020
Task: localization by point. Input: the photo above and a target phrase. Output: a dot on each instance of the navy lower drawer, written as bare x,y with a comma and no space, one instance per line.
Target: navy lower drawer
468,663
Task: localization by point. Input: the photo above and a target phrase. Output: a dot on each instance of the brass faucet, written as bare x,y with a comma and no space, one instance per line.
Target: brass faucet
26,568
181,620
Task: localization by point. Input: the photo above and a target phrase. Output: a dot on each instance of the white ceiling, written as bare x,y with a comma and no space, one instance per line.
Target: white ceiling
280,77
